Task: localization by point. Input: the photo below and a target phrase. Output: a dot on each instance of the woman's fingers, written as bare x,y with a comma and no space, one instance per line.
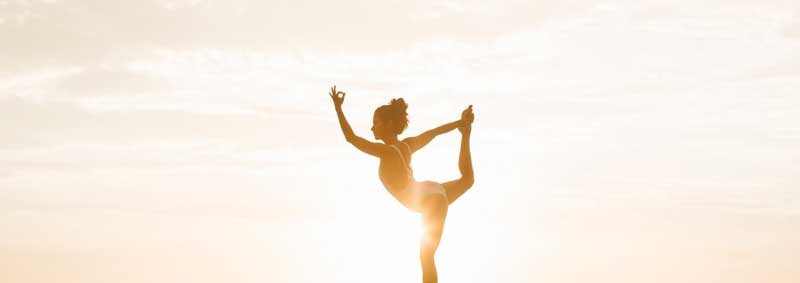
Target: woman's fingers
467,111
335,95
468,115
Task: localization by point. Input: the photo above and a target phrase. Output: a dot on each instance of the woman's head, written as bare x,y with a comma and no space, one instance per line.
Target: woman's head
390,120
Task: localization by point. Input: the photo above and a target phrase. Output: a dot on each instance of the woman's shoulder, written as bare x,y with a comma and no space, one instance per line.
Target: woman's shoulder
407,147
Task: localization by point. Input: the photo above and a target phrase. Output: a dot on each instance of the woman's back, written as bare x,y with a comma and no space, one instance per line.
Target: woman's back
395,169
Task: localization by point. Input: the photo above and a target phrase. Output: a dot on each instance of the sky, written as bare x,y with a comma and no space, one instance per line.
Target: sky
614,141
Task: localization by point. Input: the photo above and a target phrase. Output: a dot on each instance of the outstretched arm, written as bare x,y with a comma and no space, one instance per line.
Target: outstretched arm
418,142
371,148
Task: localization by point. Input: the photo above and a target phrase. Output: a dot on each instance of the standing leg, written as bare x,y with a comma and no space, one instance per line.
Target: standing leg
434,212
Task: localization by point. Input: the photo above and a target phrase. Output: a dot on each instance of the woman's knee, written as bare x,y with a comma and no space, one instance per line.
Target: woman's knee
427,252
468,181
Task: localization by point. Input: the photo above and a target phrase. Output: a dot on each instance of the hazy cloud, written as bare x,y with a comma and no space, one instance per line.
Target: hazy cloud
54,123
110,80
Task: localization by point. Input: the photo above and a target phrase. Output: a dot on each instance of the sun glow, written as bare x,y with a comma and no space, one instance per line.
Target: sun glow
373,240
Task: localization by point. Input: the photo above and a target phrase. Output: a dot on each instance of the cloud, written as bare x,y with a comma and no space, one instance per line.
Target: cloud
92,32
604,60
50,123
109,81
605,71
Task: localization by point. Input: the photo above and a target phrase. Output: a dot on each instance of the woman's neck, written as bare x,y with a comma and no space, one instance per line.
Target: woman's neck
391,140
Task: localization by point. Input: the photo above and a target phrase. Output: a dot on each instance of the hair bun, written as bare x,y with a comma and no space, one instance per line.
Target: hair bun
399,105
395,112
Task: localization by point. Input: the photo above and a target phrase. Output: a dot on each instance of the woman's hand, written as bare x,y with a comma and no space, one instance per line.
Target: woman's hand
467,117
337,100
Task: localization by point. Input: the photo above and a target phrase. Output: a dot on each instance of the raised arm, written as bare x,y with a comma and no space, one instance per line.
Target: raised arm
371,148
418,142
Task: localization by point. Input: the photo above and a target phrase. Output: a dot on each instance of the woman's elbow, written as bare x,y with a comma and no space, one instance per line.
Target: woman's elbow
351,139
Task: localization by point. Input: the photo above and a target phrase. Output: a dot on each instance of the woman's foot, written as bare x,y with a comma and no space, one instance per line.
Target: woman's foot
466,121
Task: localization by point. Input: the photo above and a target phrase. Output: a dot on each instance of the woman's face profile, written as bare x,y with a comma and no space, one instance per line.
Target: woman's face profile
378,128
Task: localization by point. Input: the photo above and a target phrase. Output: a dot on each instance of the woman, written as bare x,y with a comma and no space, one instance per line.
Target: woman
429,198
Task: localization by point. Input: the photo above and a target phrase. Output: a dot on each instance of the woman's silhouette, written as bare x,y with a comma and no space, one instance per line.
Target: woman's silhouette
429,198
